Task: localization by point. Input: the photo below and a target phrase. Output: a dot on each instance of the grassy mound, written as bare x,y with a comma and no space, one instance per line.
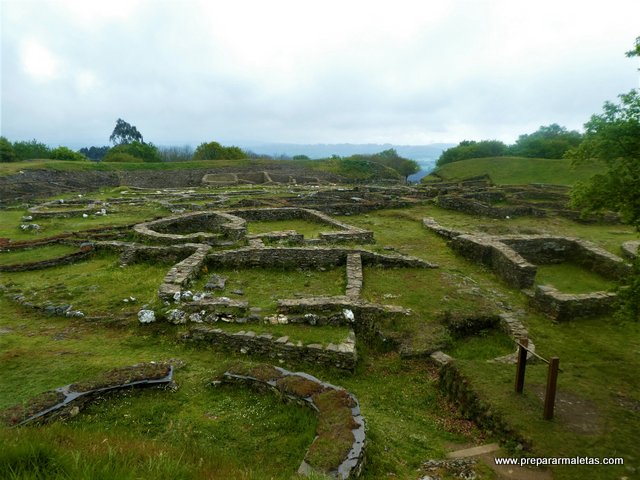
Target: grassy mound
516,170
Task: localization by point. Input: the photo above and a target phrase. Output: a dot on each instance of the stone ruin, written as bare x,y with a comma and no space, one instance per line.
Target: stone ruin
259,178
513,258
228,228
479,196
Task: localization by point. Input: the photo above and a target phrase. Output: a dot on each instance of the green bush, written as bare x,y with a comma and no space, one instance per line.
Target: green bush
141,152
7,153
471,149
31,150
64,153
120,157
215,151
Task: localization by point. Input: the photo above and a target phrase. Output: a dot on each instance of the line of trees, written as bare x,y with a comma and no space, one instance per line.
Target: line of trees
552,141
129,146
28,150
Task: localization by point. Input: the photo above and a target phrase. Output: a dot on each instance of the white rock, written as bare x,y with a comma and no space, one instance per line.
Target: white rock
146,316
348,314
176,297
176,316
195,317
84,215
188,295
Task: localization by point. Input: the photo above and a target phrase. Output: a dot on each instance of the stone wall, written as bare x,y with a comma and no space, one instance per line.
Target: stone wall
215,228
341,356
303,388
347,233
307,257
354,275
430,224
504,261
66,401
562,306
509,256
183,272
458,390
630,249
84,253
471,206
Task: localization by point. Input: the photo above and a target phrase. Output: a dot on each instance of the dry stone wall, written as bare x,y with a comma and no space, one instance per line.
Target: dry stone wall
342,355
630,249
303,388
561,306
215,228
85,252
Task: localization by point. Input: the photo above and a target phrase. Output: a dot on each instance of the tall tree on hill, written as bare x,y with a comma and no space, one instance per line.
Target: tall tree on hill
614,138
125,133
551,141
391,159
467,149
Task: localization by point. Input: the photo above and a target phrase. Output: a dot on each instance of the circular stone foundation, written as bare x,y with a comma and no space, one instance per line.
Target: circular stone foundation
214,228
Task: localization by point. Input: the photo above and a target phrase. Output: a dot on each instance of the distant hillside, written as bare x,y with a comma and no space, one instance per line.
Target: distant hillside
517,170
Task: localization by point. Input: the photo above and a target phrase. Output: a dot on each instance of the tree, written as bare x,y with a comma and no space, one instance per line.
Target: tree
31,150
215,151
391,159
64,153
636,51
552,141
472,149
7,153
124,133
94,153
133,152
612,137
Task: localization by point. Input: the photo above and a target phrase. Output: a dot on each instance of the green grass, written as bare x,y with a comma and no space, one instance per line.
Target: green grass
487,345
202,432
198,431
519,170
306,334
599,359
10,221
346,168
35,254
305,227
96,286
402,229
263,286
572,278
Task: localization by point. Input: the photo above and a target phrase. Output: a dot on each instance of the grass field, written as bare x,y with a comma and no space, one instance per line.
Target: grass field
199,431
517,170
350,169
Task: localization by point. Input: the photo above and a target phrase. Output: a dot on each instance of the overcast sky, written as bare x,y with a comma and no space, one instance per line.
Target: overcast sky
247,72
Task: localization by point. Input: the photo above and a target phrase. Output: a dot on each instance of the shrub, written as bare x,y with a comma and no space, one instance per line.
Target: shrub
7,153
472,149
120,157
94,153
31,150
215,151
64,153
141,152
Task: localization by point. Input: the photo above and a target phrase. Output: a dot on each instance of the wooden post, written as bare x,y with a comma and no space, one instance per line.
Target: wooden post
550,393
522,364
